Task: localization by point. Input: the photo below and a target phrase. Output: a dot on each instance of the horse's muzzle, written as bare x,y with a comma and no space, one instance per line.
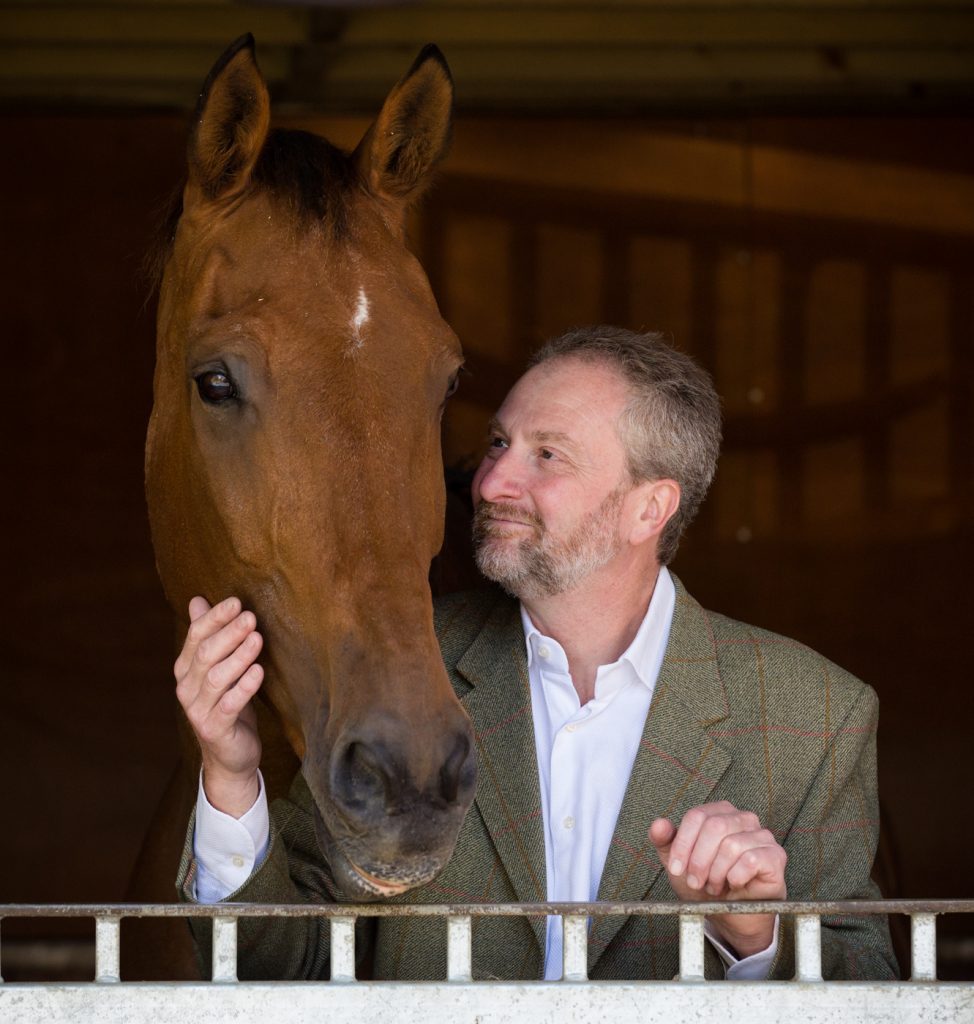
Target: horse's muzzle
381,829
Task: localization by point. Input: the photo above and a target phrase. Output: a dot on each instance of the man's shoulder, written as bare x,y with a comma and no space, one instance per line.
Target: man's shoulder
783,669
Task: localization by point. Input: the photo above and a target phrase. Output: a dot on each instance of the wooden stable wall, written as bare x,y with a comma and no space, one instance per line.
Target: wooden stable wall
823,270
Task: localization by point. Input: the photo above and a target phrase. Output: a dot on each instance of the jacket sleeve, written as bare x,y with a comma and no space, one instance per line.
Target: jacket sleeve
831,845
293,872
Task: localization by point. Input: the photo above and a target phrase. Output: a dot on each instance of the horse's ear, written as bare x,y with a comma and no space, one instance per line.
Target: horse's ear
411,135
230,128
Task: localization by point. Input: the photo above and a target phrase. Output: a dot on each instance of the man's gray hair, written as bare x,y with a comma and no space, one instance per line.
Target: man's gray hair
670,428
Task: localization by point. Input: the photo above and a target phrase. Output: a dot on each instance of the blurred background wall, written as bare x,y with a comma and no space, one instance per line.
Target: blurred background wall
787,191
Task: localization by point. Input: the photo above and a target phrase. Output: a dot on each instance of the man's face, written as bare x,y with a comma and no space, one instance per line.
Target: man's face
551,489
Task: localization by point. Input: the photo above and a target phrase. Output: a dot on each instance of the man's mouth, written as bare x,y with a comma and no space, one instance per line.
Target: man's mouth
504,516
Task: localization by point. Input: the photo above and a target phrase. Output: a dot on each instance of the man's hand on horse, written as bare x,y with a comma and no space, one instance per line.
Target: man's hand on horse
216,676
721,853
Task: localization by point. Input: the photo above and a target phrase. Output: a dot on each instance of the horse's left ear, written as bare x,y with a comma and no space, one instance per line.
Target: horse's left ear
397,155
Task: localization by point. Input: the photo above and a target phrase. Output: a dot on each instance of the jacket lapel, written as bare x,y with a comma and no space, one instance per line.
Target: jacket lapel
508,792
677,765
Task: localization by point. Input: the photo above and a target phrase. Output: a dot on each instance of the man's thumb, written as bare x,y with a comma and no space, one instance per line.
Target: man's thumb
662,832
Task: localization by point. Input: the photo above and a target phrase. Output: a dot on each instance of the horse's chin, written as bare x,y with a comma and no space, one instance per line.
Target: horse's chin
364,878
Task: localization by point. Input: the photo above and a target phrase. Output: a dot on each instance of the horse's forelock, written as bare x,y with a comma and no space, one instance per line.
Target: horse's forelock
303,172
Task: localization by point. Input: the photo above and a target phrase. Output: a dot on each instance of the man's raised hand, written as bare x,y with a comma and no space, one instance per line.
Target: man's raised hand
721,853
216,677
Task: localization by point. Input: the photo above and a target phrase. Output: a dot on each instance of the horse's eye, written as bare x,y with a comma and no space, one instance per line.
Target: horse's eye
451,388
215,387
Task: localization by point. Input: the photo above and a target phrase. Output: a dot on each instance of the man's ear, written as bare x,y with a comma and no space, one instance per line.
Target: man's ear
656,502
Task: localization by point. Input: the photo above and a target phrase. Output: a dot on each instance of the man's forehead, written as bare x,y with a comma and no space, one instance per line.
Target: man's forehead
571,380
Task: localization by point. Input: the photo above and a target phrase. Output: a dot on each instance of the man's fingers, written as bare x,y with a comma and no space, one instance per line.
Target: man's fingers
226,673
202,627
712,833
760,871
198,607
684,843
237,697
736,851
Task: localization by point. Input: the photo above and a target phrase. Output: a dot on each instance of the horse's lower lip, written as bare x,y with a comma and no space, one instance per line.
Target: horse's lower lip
385,888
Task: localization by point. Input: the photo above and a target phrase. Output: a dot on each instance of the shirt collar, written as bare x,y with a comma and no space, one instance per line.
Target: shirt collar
645,653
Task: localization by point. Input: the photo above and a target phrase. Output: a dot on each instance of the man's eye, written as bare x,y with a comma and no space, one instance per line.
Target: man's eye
216,386
547,453
497,443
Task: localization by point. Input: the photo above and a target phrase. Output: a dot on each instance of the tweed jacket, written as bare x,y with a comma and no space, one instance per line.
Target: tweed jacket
738,713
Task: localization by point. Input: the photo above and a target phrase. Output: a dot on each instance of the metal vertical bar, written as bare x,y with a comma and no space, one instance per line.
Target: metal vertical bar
343,949
691,947
224,949
1,954
808,943
923,946
459,949
575,948
107,949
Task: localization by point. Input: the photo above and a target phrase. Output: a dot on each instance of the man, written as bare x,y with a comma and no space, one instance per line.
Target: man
632,746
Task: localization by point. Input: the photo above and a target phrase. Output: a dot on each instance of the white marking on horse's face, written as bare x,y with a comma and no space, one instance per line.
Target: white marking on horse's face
359,319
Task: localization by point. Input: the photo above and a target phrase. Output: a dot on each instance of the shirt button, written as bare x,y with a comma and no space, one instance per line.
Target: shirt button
569,822
570,728
544,652
238,861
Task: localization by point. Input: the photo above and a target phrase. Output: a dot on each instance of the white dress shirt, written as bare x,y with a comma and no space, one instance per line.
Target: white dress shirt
585,757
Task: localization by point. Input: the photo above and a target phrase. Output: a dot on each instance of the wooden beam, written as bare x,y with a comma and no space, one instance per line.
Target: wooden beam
52,24
527,25
129,64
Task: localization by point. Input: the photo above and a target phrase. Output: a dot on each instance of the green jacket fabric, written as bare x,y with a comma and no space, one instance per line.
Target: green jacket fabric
738,713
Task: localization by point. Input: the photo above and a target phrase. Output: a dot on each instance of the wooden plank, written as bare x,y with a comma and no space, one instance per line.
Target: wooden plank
599,5
718,27
125,64
627,70
98,23
641,163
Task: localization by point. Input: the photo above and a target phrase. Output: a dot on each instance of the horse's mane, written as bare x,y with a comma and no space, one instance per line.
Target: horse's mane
303,172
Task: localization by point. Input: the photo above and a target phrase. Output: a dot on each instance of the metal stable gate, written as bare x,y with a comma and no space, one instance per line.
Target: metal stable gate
461,1000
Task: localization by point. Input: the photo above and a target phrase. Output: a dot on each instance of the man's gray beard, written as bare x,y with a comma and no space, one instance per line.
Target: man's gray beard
539,566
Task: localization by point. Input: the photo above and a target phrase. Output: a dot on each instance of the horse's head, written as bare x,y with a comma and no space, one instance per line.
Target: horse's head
293,455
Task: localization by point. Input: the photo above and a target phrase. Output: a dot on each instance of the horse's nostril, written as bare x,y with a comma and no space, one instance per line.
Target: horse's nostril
362,777
458,771
371,778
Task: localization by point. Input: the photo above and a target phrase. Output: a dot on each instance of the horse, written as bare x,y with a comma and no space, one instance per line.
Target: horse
293,459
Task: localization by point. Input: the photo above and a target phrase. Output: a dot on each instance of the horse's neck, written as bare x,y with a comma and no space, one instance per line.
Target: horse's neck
278,763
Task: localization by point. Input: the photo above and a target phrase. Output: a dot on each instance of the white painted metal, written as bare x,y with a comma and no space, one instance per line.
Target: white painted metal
807,1000
575,948
224,949
343,949
691,947
808,947
923,944
459,948
107,948
492,1003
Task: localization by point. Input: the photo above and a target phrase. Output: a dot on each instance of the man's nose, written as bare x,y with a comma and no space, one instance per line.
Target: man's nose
497,478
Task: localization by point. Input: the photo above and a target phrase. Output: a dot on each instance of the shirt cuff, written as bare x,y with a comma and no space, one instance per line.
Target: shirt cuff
228,849
752,968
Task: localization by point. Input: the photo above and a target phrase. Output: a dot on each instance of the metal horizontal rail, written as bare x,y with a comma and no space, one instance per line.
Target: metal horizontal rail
599,909
460,999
